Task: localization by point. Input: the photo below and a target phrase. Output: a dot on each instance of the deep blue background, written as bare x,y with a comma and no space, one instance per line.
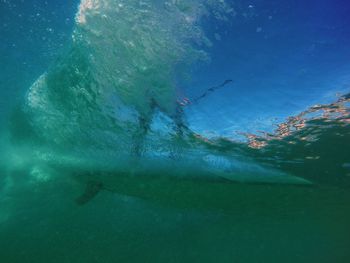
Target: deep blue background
283,56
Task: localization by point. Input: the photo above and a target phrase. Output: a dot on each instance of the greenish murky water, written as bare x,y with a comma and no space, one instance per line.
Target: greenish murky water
105,159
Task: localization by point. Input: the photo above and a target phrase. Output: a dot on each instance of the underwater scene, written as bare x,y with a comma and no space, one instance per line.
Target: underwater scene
174,131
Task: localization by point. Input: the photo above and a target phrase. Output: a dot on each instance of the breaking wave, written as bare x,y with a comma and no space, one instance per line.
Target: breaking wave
111,100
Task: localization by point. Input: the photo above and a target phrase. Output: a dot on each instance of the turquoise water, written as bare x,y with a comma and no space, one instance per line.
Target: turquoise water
174,131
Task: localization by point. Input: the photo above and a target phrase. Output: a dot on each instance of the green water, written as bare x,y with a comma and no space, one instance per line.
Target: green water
209,223
106,114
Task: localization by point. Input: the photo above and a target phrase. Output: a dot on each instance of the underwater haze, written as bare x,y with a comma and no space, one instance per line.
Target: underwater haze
174,131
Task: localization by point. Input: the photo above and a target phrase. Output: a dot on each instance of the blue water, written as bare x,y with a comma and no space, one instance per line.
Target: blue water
110,152
283,56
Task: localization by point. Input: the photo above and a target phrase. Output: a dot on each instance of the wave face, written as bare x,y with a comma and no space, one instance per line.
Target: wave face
112,99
